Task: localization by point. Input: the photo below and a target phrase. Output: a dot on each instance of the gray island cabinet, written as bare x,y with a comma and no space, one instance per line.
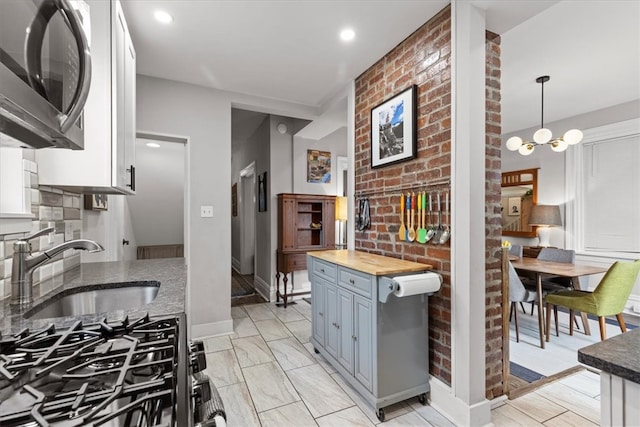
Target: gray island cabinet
376,340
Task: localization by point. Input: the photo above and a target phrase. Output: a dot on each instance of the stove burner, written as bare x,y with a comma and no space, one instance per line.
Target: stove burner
120,374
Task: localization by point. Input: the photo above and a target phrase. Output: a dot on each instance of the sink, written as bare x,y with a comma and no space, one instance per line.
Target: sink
97,299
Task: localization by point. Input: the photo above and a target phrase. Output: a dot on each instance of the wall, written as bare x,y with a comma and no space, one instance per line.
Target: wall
335,143
204,117
424,59
262,151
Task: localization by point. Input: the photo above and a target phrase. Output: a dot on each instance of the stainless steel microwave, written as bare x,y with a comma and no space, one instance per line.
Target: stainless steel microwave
45,71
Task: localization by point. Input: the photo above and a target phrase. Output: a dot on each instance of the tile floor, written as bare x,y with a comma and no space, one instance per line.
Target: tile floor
268,375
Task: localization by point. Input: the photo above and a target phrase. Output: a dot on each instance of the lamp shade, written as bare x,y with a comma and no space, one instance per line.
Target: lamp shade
341,208
545,215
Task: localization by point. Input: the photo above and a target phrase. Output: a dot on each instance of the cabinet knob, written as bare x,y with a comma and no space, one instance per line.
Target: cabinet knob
320,314
352,281
391,286
337,326
322,269
353,337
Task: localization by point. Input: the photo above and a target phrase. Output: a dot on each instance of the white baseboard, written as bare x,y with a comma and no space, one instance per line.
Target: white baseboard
263,288
235,264
460,413
212,329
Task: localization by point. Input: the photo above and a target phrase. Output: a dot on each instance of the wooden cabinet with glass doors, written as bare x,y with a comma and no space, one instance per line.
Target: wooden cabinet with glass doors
306,222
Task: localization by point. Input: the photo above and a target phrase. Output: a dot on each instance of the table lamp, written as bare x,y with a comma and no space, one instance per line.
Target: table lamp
544,217
341,217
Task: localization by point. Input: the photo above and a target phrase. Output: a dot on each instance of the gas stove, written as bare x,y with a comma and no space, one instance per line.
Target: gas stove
131,373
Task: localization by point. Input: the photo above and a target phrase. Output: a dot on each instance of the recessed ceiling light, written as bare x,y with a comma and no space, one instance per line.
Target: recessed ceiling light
347,34
153,145
163,17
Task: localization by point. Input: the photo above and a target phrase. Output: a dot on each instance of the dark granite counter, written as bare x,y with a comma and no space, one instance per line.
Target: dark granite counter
617,356
170,272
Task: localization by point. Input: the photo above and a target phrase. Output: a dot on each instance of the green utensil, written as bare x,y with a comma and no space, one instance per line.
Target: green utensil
422,207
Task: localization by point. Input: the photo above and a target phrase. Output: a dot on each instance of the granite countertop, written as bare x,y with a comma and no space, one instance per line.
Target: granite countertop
617,355
377,265
170,272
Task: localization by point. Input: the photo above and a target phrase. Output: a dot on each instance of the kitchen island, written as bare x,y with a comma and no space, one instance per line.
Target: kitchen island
618,360
367,328
170,272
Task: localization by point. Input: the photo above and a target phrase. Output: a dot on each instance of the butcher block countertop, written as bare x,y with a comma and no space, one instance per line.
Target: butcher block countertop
376,265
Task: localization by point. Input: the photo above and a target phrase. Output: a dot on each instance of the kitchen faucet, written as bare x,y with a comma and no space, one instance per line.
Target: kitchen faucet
24,264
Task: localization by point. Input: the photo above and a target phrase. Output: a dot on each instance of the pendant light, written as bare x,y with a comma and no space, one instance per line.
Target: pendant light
543,135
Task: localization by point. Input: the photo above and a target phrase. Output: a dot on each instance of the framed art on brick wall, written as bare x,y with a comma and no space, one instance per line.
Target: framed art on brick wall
393,129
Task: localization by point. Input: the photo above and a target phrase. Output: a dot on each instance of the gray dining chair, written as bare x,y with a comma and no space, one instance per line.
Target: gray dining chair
551,284
516,250
518,293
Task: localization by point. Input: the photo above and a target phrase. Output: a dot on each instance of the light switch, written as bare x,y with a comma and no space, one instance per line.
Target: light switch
206,211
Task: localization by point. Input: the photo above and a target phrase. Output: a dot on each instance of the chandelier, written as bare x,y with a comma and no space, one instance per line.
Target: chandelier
543,135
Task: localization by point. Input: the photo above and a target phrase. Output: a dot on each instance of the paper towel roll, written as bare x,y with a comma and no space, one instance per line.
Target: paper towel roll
415,284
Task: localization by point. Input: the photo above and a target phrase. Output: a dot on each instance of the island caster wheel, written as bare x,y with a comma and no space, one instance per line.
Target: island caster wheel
422,398
315,350
380,414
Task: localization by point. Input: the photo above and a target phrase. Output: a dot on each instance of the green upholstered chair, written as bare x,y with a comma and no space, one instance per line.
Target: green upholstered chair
607,299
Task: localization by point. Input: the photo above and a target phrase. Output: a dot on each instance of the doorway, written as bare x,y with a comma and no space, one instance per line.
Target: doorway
242,279
157,211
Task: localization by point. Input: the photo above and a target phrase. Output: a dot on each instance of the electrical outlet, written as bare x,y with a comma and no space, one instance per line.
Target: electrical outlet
206,211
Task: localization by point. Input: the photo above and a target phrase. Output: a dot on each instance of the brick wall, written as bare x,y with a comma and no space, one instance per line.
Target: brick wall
424,59
494,380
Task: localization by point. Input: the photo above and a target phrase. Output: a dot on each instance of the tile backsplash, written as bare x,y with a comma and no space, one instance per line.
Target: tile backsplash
51,207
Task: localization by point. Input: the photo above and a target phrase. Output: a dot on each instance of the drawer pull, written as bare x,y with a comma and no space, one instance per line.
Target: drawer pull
353,282
322,269
320,314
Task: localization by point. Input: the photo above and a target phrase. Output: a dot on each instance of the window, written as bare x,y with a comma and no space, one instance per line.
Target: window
604,183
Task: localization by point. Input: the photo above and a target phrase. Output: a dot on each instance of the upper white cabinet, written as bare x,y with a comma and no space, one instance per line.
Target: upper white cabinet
107,164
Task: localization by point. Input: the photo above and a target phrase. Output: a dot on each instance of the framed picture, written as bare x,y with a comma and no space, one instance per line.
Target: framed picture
95,202
318,166
393,129
514,206
262,192
234,199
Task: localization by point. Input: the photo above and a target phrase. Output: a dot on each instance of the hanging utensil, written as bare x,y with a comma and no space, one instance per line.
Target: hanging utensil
446,234
402,232
439,229
408,206
366,215
412,230
432,228
422,231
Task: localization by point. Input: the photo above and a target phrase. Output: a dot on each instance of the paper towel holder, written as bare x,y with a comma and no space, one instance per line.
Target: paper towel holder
388,286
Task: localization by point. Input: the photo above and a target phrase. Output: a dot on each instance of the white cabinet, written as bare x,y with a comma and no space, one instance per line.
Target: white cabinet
107,164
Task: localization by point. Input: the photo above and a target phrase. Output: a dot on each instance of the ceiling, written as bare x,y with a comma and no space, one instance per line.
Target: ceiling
291,50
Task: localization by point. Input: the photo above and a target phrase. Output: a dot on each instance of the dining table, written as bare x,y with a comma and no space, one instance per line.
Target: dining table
549,268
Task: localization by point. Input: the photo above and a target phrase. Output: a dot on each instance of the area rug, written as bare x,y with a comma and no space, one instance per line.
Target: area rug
523,373
241,285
